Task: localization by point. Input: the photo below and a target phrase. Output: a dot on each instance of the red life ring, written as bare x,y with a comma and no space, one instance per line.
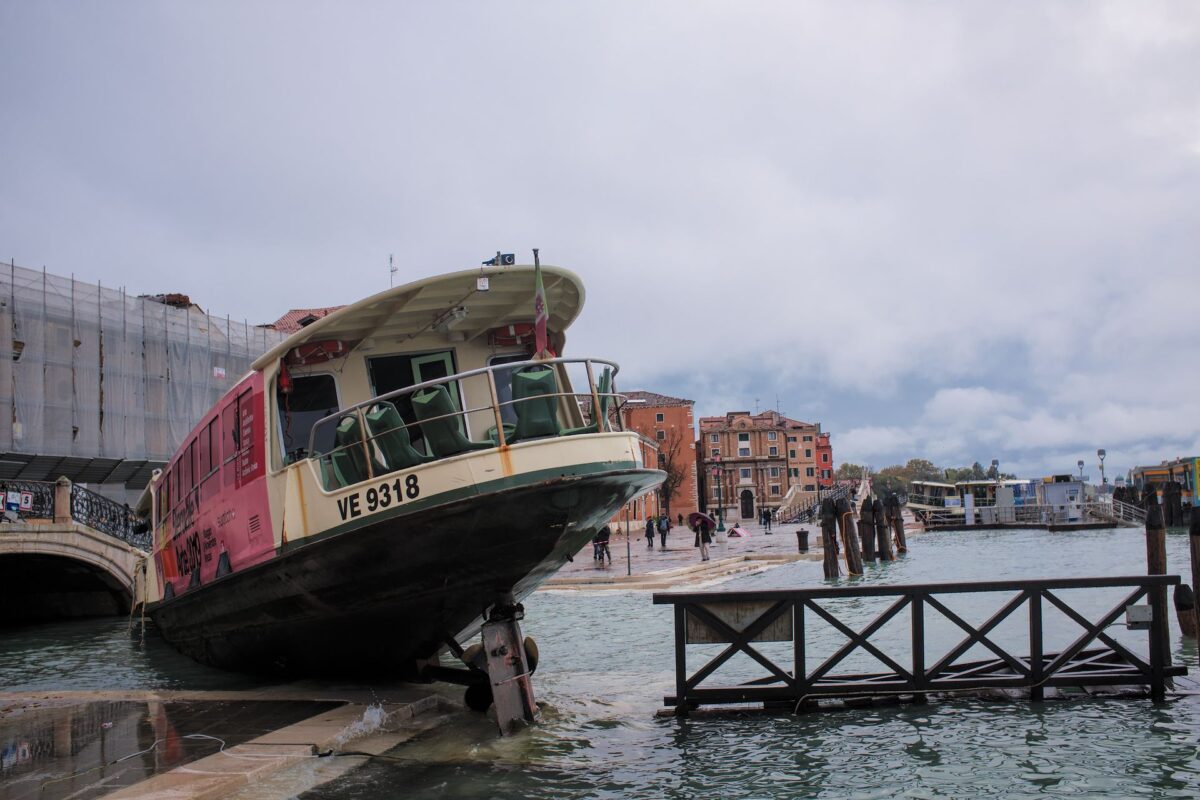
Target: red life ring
316,352
520,333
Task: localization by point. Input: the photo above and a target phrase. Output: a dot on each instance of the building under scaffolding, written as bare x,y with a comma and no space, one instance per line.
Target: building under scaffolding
101,386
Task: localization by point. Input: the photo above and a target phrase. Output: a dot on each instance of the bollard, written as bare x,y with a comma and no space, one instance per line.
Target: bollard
829,539
866,529
802,539
849,531
884,543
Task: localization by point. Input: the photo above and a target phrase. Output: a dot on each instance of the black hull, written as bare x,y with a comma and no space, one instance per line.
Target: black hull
373,600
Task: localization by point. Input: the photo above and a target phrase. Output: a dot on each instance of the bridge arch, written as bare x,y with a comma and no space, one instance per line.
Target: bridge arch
63,570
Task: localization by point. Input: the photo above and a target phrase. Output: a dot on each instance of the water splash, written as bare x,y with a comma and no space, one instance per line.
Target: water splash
372,721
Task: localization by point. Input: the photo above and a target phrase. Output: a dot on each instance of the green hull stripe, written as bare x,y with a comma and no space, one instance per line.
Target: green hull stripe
451,495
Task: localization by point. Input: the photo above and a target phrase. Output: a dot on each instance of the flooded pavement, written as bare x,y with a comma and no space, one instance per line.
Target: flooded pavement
92,749
607,661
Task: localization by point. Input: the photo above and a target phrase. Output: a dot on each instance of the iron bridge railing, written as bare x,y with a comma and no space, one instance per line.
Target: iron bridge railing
86,507
107,516
741,619
41,495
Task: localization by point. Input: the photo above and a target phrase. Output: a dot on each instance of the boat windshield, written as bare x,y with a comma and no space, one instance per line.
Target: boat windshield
312,398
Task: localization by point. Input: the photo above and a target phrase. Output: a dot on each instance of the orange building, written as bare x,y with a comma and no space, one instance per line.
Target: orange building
668,423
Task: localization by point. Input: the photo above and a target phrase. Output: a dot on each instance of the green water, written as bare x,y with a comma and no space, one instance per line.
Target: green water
607,660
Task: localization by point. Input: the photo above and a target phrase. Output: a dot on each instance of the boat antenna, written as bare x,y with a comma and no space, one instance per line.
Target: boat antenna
536,262
392,271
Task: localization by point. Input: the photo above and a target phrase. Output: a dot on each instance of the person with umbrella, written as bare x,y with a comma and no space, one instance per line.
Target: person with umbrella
703,525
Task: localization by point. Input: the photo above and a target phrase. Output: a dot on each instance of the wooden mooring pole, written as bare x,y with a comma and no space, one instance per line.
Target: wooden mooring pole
829,538
866,529
1156,564
895,516
1189,613
849,530
884,535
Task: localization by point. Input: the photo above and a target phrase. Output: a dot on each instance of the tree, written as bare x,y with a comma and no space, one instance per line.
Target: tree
919,469
977,472
851,472
675,464
890,480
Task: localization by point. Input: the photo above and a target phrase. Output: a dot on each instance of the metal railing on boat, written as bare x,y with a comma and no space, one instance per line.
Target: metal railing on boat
375,437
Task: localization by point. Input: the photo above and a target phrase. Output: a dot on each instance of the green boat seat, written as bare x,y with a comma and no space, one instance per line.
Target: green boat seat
534,399
603,388
441,423
390,435
348,461
509,429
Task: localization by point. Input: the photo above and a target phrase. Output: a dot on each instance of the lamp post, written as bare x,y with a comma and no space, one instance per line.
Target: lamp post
720,498
1101,454
1080,465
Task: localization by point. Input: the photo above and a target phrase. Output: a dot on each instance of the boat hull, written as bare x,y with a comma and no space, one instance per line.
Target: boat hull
373,600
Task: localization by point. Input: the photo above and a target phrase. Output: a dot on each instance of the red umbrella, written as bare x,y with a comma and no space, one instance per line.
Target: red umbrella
696,517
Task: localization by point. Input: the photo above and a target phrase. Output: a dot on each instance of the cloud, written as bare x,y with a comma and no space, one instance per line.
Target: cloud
967,407
870,445
979,239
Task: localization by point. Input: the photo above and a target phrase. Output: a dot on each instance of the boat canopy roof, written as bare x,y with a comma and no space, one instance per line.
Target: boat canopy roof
404,312
1005,482
933,483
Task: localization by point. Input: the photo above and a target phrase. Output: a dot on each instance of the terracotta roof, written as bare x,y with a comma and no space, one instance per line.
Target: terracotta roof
290,322
640,399
767,420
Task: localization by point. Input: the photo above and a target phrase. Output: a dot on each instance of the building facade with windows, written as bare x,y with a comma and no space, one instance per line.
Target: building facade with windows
749,462
824,463
667,422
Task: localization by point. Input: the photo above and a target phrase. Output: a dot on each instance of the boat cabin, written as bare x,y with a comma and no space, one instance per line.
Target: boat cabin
425,389
932,494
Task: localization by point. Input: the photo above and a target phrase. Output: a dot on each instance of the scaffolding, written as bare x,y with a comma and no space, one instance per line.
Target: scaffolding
102,386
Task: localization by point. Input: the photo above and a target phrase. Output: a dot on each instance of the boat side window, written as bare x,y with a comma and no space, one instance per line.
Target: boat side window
229,443
210,456
312,398
164,496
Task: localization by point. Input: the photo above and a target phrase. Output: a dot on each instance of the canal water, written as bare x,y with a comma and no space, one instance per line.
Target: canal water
607,661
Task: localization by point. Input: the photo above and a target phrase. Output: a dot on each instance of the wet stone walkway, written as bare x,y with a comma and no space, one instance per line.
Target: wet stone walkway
642,567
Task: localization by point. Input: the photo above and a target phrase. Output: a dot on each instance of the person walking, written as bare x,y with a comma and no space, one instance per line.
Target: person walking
650,532
681,520
601,544
702,530
664,525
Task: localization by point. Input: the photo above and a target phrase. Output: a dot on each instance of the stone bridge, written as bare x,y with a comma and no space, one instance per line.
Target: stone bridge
60,566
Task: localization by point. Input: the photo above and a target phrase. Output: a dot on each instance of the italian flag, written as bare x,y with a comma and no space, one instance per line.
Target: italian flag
540,312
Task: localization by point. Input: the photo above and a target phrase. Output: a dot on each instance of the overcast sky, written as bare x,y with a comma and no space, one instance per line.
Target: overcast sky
960,231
